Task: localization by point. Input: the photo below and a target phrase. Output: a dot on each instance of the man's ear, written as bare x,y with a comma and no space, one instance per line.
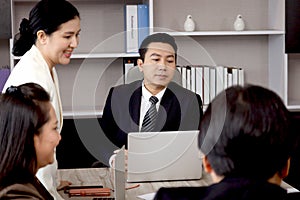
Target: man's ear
41,37
206,165
285,171
140,64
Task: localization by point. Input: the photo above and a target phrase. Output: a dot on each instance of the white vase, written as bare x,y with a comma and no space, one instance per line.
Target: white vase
189,24
239,24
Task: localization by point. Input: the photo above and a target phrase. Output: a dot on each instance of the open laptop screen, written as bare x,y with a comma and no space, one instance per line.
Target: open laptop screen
158,156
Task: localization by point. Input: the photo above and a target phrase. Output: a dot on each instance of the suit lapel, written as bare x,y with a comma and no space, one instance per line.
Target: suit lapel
134,107
164,109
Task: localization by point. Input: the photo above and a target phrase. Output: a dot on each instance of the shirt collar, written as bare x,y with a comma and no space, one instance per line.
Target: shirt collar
146,94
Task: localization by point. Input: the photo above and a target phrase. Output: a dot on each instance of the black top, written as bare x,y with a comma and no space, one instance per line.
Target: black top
30,190
228,189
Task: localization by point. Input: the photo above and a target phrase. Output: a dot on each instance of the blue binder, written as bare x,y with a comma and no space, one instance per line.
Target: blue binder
143,22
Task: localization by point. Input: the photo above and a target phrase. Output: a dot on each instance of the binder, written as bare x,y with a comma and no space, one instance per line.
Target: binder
199,81
143,22
188,77
193,79
229,77
127,64
131,28
219,79
234,76
241,76
183,75
206,85
225,78
212,82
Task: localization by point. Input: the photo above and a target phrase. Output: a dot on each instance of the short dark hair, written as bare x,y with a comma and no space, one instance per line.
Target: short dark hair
246,131
46,15
157,37
24,110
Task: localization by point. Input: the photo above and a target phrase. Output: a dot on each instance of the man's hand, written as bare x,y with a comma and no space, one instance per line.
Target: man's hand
112,163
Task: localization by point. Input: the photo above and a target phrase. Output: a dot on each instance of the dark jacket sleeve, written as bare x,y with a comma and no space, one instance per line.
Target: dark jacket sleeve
116,121
194,113
108,123
180,193
190,107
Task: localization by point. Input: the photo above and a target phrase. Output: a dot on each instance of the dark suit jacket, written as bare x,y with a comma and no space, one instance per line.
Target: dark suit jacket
180,109
228,189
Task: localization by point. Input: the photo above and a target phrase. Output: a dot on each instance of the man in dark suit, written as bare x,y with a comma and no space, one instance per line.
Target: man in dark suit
126,105
247,141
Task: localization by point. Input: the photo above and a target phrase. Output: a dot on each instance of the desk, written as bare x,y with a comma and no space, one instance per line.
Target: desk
102,176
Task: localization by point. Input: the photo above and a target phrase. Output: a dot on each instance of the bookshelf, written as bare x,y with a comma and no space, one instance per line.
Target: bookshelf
259,50
97,63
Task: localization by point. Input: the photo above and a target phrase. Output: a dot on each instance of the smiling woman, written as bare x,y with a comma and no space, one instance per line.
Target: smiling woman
47,38
28,137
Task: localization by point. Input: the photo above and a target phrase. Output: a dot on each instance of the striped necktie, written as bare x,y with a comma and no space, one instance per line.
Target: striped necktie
150,116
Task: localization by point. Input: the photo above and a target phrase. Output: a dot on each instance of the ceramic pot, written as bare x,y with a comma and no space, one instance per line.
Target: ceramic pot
189,24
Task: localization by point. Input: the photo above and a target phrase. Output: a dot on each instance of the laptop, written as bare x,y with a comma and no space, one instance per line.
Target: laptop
163,156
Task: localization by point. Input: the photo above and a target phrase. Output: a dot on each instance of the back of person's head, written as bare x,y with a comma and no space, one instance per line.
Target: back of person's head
157,37
245,132
46,15
23,111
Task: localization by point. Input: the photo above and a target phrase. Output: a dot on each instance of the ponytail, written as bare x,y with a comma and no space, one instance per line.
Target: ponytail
24,39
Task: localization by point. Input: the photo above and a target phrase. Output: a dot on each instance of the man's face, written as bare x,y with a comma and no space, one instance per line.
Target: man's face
159,66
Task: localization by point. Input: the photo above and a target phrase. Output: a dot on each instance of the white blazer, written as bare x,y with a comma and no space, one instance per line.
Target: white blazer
32,67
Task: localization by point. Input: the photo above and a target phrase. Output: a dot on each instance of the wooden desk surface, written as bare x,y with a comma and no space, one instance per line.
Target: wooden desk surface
102,176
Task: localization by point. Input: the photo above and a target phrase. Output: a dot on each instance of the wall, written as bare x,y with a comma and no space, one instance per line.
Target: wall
4,52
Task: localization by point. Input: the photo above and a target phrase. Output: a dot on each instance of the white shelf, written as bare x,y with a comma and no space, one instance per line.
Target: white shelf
20,1
293,107
82,114
104,55
226,33
97,55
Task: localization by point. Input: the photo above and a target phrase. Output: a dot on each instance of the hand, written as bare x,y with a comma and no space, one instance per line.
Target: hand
63,184
113,157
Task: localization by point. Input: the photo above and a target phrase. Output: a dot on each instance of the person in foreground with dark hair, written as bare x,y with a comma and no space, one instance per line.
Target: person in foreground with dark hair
46,39
246,138
28,137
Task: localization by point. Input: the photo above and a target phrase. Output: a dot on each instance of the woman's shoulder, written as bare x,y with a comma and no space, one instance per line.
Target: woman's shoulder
32,61
21,191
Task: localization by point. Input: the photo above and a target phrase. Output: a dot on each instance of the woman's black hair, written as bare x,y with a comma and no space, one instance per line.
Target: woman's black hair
23,111
46,15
